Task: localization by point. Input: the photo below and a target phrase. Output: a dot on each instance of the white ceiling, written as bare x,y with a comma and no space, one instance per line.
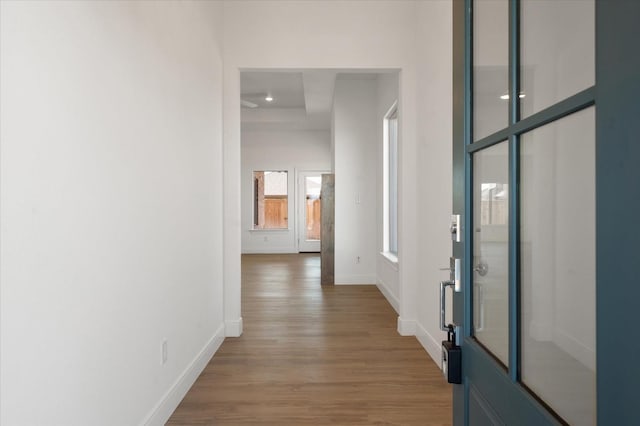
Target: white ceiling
285,87
302,100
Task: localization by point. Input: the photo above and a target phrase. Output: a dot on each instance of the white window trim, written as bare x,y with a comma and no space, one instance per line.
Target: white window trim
392,257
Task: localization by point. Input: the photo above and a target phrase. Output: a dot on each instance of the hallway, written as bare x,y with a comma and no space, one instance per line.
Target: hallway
315,355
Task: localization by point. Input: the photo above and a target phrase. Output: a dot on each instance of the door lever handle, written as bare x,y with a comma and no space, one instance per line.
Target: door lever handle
443,304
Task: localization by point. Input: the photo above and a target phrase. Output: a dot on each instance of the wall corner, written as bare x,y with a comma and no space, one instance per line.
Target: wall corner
406,327
233,328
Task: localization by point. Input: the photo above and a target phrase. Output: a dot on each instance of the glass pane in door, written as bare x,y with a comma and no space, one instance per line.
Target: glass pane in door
490,67
490,249
558,51
557,256
312,217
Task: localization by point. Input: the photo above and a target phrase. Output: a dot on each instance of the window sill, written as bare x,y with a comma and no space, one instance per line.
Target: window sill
270,230
391,259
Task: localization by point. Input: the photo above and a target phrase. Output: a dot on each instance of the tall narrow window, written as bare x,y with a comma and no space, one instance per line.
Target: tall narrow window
271,200
391,181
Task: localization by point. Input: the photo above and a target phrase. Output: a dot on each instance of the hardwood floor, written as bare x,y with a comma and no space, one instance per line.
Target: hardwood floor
313,355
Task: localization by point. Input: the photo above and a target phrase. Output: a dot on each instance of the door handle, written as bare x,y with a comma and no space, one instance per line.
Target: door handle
455,273
443,304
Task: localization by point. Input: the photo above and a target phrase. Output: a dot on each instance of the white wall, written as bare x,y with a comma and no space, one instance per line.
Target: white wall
289,150
111,181
319,34
387,274
355,143
110,208
434,132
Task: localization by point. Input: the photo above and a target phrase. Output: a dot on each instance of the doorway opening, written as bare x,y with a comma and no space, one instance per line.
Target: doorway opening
300,125
310,211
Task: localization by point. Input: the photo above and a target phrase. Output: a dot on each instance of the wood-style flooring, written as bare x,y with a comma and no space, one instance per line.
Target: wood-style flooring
314,355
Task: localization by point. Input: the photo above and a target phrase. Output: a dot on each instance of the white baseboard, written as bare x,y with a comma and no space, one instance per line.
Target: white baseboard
429,343
270,250
170,401
393,300
355,280
577,349
406,327
233,328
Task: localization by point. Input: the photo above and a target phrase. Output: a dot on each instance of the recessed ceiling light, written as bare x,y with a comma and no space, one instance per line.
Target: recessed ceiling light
505,97
268,98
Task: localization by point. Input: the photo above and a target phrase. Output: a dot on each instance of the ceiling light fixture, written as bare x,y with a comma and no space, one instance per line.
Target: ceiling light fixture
505,97
268,98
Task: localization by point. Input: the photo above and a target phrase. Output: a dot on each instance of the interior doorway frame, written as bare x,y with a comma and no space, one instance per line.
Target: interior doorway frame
299,206
407,210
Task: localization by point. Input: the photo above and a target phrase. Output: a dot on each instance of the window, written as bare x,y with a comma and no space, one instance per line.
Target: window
270,200
390,192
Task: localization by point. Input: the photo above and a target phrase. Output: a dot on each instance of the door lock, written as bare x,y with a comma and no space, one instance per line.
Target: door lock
455,228
451,358
451,352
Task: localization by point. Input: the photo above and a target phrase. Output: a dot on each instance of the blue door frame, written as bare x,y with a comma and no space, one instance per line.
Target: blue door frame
616,96
618,203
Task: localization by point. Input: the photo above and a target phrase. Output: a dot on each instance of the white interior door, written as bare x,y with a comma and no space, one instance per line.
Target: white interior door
309,203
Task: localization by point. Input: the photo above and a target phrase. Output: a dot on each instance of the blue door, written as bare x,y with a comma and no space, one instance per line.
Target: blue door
547,185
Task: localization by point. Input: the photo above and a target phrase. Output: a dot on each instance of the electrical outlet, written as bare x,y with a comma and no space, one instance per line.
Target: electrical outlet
165,351
266,239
